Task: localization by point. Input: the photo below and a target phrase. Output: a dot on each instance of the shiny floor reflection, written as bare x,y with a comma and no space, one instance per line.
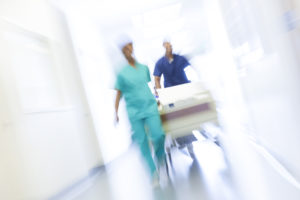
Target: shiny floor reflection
198,174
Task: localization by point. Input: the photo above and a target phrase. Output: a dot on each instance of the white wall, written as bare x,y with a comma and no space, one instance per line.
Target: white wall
98,73
42,151
270,81
258,102
271,88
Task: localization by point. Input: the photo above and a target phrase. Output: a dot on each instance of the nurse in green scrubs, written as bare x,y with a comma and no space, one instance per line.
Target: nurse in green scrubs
132,84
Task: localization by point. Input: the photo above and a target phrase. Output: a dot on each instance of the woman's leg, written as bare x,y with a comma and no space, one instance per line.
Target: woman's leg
140,138
157,136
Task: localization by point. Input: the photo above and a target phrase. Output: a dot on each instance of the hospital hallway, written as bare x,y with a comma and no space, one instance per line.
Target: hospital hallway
204,177
71,116
203,173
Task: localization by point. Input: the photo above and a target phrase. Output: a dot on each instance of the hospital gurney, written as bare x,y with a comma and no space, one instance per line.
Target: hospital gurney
184,108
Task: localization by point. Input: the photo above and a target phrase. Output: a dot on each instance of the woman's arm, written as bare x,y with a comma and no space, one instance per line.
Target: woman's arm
117,102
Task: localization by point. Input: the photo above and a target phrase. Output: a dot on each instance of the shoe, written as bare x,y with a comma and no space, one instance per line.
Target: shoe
155,180
163,175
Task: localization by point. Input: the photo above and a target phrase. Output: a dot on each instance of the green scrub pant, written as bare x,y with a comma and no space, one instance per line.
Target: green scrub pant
152,125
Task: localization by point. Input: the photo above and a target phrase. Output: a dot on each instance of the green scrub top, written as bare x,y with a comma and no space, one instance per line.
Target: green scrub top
133,83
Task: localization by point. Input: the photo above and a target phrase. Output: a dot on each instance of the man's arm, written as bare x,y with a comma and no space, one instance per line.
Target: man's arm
157,74
117,102
185,62
157,82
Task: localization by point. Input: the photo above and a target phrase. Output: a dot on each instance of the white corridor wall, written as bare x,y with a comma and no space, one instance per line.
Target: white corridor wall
47,137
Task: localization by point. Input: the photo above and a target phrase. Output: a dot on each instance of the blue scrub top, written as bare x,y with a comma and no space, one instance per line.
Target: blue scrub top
173,72
133,83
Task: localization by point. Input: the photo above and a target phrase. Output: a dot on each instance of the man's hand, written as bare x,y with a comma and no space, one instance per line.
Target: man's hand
158,102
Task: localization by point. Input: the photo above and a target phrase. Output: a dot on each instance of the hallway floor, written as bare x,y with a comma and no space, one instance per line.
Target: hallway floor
201,174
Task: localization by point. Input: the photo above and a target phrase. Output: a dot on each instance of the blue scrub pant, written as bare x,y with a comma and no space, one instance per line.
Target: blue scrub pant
151,125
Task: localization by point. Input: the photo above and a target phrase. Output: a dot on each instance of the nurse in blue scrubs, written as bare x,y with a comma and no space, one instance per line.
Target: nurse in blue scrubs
132,84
